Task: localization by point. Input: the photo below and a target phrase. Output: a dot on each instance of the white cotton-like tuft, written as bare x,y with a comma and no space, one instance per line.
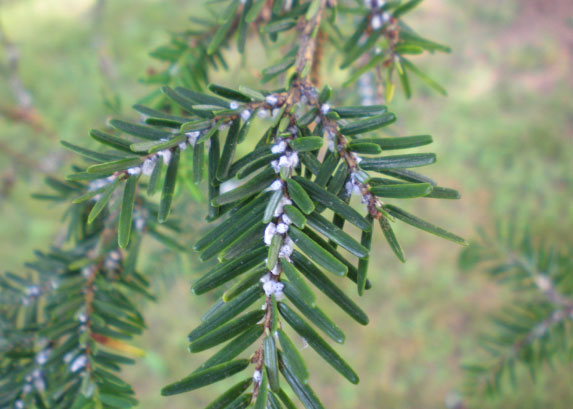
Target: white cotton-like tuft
270,231
263,113
33,291
233,105
376,22
276,270
282,228
42,357
386,17
286,219
79,363
276,185
271,100
280,147
245,114
192,137
266,278
275,166
166,155
272,287
86,272
287,249
148,165
19,404
183,146
257,376
134,171
280,207
83,317
324,109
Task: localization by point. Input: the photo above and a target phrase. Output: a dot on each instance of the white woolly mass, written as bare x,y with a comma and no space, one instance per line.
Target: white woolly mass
276,270
86,271
192,137
376,22
83,318
166,155
183,146
263,113
42,357
99,183
266,278
33,291
282,228
134,171
273,287
19,404
386,17
275,166
280,207
271,100
245,114
324,109
233,105
79,363
289,160
270,231
39,383
286,249
352,187
257,376
148,165
280,147
286,219
276,185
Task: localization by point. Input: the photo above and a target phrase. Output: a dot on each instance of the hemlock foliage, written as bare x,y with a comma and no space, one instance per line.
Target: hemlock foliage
284,227
534,330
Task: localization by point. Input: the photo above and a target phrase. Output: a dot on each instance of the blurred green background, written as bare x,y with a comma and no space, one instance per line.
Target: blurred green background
504,138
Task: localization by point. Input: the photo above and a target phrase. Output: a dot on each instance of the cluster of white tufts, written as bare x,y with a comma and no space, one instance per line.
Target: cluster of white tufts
272,109
380,19
78,363
282,222
353,185
166,154
34,381
112,260
32,291
98,184
272,287
42,356
257,376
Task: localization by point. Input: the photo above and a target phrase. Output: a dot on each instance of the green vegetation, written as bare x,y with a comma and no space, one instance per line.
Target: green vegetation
504,141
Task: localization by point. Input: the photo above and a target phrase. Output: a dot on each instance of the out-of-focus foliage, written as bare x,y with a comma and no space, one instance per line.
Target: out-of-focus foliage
535,327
